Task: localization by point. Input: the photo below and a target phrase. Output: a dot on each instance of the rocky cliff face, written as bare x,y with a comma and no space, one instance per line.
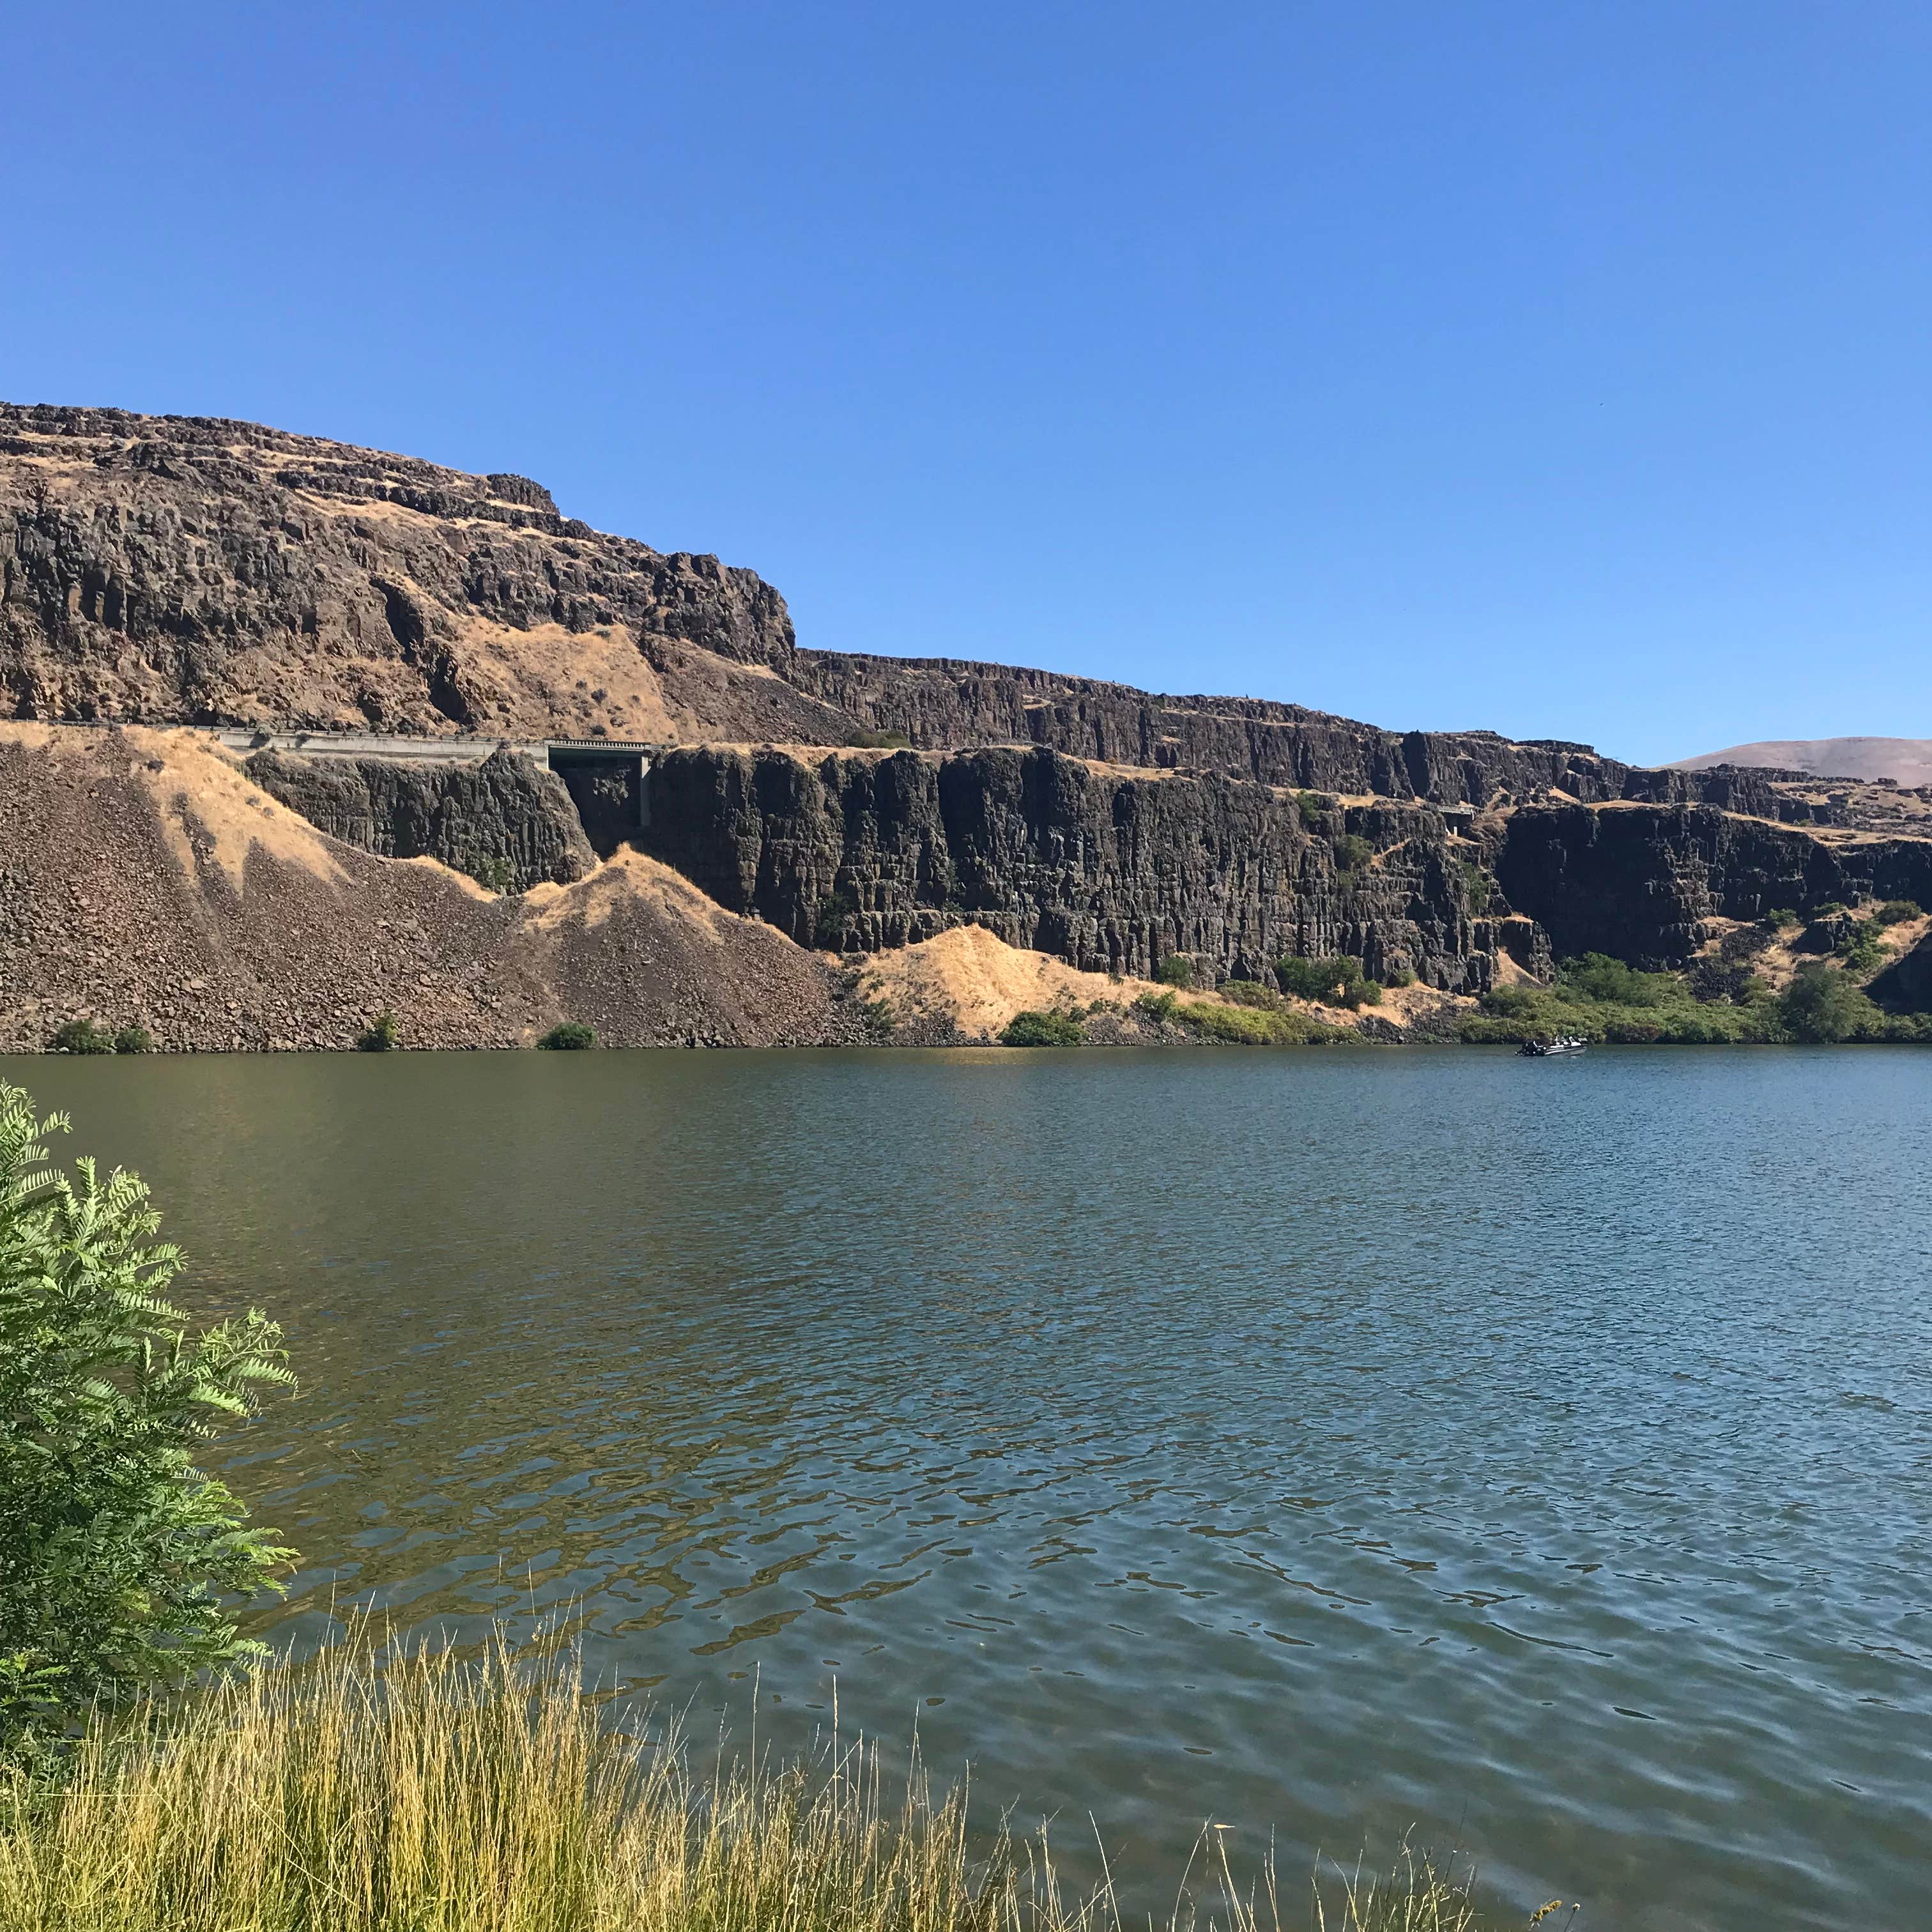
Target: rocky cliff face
170,569
943,703
1638,882
507,821
1107,871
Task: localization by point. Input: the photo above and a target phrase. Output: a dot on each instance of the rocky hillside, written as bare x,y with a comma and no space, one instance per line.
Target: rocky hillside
163,570
158,575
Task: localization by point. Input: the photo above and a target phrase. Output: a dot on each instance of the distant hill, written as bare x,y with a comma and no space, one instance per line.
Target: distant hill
1907,760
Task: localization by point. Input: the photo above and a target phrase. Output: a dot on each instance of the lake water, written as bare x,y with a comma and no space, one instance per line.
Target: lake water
1538,1456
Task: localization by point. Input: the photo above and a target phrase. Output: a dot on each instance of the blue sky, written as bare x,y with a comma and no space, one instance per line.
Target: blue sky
1558,368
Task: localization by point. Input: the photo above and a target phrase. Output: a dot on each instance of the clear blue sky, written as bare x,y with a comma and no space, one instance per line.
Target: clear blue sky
1562,368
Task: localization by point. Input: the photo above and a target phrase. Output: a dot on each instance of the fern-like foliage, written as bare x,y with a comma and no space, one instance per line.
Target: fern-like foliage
117,1555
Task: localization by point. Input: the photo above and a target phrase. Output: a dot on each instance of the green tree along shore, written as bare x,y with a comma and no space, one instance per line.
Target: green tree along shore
155,1776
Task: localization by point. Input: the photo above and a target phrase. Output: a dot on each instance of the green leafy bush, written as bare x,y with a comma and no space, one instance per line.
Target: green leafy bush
1335,982
1777,921
1862,948
493,872
1896,912
1043,1029
1477,886
1252,993
1402,976
115,1551
1313,809
1822,1006
829,921
878,741
382,1037
1176,970
133,1040
1352,851
1157,1006
82,1036
1248,1026
570,1037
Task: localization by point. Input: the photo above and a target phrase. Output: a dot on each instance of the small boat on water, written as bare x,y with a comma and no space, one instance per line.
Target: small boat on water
1547,1049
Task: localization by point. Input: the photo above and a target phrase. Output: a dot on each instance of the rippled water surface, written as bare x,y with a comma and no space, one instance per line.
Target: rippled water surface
1536,1455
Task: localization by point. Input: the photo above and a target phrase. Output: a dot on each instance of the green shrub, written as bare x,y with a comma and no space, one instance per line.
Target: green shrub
1402,976
1249,1026
1313,809
1157,1006
117,1555
1176,970
1821,1006
1896,912
1335,982
828,920
1862,948
1477,886
1598,978
570,1036
383,1037
1043,1029
1351,852
878,741
82,1036
494,872
1778,920
133,1040
1252,993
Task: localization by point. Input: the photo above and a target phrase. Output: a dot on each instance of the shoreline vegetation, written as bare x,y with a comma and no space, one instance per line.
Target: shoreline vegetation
1724,998
378,1791
1777,981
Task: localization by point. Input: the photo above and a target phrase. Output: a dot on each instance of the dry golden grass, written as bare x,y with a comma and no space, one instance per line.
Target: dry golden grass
438,1795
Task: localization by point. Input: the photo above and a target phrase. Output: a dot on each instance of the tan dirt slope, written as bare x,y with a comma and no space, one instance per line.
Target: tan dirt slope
144,881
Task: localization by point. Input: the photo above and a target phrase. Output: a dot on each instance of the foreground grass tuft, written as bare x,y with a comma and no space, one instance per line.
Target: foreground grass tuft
441,1796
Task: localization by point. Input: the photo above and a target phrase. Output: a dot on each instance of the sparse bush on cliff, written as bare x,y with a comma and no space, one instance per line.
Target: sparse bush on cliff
1352,852
1896,912
1043,1029
878,741
569,1036
1313,809
828,920
494,872
82,1036
1402,976
1477,887
1176,970
383,1037
117,1555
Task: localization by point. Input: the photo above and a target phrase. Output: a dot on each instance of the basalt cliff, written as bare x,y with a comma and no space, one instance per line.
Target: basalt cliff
749,838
